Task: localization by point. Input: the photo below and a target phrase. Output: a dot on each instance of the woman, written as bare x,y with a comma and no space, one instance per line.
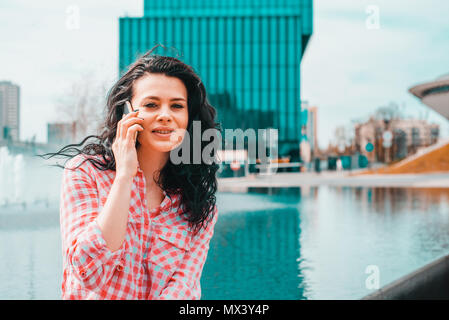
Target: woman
133,224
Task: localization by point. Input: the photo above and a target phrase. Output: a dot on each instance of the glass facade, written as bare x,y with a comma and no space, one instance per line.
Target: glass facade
248,54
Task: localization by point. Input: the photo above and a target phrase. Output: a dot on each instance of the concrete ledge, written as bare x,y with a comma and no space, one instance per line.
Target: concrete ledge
293,179
428,282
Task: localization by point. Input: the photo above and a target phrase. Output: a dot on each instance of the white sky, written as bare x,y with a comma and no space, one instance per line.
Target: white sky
44,56
347,70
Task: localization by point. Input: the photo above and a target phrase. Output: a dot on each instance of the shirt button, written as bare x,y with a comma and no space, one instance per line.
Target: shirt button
147,222
119,267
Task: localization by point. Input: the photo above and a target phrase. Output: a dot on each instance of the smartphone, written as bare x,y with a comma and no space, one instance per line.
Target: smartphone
126,108
119,114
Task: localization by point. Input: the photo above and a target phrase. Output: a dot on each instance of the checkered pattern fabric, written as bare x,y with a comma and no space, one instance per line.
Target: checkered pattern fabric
159,259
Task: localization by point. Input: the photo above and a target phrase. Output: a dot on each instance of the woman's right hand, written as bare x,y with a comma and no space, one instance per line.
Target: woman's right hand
124,145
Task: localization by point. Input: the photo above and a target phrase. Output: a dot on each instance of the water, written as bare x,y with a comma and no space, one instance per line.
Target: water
308,243
317,243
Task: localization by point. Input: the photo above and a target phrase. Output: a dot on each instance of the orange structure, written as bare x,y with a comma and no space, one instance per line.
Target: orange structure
434,161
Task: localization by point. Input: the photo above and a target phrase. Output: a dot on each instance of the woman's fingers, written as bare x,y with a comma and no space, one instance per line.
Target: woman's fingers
132,132
127,112
123,146
127,121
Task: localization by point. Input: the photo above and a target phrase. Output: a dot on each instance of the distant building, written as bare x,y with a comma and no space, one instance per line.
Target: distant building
60,134
9,111
434,94
309,142
311,128
407,135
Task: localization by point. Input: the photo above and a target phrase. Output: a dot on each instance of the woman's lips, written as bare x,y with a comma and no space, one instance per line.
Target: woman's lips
163,133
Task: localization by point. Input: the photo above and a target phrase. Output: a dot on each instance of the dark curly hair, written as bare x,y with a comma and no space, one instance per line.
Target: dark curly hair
196,183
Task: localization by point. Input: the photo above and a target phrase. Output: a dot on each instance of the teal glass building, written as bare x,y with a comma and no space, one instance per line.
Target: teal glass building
247,52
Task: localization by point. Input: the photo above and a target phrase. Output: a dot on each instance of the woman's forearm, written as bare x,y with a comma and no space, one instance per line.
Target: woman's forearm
113,218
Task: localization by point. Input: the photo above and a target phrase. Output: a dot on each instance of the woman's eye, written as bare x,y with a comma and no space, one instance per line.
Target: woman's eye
152,105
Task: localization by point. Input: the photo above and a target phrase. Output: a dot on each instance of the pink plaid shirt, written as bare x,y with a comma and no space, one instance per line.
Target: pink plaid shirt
159,259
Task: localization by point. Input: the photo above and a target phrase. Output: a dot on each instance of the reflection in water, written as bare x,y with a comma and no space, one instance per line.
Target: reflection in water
345,230
31,265
399,199
31,289
286,243
253,255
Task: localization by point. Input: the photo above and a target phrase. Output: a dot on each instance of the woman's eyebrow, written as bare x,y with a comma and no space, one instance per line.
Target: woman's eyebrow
157,98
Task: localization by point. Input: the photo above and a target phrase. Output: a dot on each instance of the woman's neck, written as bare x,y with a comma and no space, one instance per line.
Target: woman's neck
151,162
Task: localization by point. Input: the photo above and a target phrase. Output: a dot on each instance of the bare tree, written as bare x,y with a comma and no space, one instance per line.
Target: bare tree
389,112
83,105
343,137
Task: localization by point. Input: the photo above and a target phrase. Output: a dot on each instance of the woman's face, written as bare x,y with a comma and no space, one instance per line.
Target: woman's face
162,103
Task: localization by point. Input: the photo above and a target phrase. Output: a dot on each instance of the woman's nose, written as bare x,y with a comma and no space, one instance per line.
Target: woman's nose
164,114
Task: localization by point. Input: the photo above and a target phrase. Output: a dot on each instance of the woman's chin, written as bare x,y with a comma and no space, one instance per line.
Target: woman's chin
162,147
